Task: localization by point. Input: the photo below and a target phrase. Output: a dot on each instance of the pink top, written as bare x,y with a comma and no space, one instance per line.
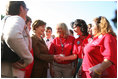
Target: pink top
102,47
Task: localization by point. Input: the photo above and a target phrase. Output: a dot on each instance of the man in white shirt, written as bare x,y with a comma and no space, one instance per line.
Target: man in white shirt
48,37
17,38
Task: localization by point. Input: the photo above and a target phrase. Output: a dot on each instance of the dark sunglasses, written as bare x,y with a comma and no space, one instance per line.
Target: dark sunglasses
99,19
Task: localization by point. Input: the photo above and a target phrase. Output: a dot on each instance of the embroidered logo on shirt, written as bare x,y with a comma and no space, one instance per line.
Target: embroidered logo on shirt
90,40
95,43
100,36
78,42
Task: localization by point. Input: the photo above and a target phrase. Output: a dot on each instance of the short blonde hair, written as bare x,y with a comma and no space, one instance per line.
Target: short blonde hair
64,29
103,26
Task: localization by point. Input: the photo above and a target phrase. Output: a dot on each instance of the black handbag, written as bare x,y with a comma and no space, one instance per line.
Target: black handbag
7,54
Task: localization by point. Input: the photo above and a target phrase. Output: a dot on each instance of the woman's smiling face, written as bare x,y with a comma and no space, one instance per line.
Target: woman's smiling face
40,30
94,28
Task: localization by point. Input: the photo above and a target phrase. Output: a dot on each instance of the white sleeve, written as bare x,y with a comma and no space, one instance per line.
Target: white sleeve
13,35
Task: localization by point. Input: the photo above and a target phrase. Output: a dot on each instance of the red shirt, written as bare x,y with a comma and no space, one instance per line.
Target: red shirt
56,47
79,44
102,47
28,69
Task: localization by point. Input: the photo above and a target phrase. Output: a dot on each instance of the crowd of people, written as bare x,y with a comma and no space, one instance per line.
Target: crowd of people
43,55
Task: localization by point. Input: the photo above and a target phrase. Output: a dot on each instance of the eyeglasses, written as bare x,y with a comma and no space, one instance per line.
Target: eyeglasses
26,9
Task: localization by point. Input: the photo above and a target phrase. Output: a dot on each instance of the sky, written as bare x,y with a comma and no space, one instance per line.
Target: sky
56,11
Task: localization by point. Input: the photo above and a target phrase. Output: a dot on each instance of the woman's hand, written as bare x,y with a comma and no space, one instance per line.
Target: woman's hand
59,58
19,64
96,71
95,74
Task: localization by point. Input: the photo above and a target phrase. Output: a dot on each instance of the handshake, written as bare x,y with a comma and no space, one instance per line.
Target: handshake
59,58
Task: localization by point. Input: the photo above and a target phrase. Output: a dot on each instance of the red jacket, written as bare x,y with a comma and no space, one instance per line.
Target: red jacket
56,47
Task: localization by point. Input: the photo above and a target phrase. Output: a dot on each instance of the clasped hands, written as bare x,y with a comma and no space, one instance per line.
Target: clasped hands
59,58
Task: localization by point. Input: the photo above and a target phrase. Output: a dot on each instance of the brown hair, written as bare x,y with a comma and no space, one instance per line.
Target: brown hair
71,31
28,19
90,25
38,23
103,26
83,26
48,28
13,7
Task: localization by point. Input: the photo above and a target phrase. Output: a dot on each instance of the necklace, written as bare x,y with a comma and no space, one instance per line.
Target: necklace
62,45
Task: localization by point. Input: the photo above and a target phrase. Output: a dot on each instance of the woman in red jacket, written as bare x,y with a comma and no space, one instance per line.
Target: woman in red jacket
62,46
100,55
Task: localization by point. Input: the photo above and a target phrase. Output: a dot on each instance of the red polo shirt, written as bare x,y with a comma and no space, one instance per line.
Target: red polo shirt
102,47
79,44
56,47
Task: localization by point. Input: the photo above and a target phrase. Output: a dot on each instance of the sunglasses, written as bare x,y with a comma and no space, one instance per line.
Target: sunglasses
99,19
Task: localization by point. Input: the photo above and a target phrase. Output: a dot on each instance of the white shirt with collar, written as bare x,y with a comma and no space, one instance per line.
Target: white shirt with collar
48,41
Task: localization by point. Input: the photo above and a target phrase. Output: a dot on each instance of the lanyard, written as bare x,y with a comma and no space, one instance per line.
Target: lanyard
62,45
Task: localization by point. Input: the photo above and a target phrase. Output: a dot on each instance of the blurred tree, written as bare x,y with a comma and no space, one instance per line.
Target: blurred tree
115,19
2,16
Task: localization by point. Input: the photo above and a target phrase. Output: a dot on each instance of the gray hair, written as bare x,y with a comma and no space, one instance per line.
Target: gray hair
64,29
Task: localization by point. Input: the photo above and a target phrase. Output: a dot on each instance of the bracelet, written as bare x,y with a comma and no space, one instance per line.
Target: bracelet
97,72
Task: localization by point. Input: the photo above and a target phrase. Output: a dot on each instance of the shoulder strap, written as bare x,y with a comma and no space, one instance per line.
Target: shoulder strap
5,18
